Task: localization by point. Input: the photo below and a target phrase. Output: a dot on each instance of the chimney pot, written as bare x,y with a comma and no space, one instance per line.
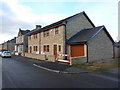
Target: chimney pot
38,26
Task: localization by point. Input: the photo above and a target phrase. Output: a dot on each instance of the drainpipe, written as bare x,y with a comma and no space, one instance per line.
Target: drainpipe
65,38
87,52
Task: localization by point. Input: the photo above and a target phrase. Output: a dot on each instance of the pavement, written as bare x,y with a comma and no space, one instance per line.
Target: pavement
51,66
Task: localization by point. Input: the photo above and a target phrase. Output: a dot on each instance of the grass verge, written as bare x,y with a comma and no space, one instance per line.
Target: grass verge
100,66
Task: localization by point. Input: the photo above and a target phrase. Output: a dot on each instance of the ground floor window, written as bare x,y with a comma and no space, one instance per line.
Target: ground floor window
35,48
46,48
59,48
30,49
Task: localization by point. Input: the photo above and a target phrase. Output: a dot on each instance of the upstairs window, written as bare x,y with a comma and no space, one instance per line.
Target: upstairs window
56,30
29,37
46,33
35,36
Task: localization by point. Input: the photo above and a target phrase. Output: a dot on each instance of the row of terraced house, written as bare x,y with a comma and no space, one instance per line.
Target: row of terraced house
75,38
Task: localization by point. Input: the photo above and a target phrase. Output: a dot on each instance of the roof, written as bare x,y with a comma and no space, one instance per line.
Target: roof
34,30
87,34
62,22
23,32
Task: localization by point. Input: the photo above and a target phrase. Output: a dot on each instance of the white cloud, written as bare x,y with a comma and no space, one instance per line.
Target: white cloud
105,14
15,16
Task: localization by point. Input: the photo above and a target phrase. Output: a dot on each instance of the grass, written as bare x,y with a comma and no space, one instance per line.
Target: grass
99,66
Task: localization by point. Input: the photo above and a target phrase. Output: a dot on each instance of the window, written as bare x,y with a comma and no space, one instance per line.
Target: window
56,30
46,33
36,48
29,37
35,36
30,49
46,48
59,48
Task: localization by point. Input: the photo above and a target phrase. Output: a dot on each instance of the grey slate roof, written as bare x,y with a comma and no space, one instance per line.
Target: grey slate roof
63,21
86,34
34,30
23,32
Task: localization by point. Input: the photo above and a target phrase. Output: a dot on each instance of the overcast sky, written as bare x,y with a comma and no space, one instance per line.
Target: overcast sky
25,14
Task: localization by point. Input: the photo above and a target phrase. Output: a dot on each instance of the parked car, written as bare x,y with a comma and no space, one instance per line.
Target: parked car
2,50
6,54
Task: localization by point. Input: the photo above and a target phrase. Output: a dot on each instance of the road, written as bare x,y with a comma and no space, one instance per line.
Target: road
17,74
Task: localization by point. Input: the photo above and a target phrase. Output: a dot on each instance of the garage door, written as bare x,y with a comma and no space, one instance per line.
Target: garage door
77,50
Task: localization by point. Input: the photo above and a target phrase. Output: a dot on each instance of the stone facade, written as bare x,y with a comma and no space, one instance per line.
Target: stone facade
40,57
100,47
76,24
9,45
67,30
21,42
117,51
78,60
53,39
34,42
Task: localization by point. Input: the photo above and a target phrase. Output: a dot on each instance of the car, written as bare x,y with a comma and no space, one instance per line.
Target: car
6,54
2,50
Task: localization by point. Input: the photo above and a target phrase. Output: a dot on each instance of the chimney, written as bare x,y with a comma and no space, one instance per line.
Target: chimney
38,26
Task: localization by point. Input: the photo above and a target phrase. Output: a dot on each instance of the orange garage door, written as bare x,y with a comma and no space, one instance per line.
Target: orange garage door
77,50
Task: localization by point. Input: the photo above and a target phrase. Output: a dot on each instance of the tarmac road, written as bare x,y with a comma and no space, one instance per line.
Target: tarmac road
17,74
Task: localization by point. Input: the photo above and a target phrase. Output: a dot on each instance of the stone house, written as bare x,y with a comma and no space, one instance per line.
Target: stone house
9,45
90,45
21,42
58,39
